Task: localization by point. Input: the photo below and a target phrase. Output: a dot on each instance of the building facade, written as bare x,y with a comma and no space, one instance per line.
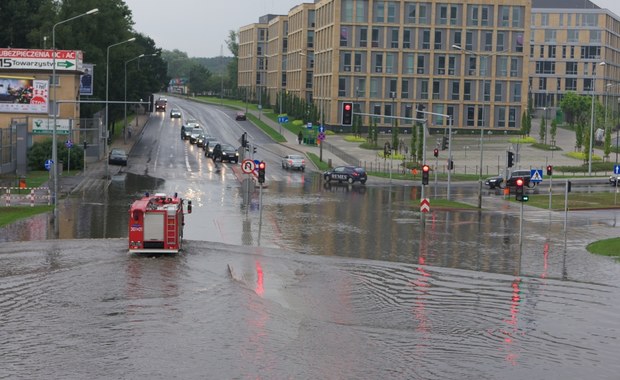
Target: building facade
574,47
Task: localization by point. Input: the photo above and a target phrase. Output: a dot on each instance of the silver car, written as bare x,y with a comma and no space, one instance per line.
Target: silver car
294,161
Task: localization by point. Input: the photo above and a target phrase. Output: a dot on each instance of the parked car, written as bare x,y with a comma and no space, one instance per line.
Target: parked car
349,174
117,156
175,113
294,161
229,153
240,116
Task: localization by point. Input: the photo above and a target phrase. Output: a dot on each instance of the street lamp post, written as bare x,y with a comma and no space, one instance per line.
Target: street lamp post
125,104
107,105
592,87
54,167
487,56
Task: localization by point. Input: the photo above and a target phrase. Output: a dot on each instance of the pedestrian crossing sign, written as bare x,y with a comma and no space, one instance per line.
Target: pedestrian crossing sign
536,175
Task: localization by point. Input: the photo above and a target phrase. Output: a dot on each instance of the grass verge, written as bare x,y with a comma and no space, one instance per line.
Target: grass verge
13,214
606,247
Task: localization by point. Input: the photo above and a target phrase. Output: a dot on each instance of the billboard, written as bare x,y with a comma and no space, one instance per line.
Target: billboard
39,59
86,79
23,95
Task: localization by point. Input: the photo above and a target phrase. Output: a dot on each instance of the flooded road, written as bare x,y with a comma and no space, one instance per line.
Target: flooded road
306,281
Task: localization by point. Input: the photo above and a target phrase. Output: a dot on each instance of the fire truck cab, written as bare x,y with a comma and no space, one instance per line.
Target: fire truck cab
156,224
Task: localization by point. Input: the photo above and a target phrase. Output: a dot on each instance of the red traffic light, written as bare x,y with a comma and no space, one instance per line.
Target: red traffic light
436,152
426,168
261,165
519,182
347,106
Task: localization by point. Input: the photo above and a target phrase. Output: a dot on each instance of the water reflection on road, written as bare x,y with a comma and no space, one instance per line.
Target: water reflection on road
331,282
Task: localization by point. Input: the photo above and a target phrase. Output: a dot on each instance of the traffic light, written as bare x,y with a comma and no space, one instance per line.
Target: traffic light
549,170
261,172
444,143
425,172
519,191
450,165
569,184
85,145
244,140
347,114
436,152
254,149
511,159
420,114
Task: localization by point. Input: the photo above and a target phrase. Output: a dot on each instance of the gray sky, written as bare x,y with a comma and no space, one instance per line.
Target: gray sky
200,27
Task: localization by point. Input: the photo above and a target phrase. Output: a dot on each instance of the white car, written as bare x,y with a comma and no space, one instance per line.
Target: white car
294,161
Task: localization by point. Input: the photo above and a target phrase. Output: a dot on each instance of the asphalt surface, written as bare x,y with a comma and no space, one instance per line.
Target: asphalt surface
467,152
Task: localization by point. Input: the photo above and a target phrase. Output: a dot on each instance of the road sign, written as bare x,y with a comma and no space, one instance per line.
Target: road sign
48,164
282,119
69,144
616,169
425,205
309,125
247,166
321,129
536,175
321,136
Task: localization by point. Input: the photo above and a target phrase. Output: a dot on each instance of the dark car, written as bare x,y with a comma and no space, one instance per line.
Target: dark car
229,153
349,174
210,146
160,105
494,182
194,133
186,129
516,174
207,141
240,116
117,157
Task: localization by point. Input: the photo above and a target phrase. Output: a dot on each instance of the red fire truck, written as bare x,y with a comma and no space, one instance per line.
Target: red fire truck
156,224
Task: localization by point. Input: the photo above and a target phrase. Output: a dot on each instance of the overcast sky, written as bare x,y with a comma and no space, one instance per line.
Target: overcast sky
201,27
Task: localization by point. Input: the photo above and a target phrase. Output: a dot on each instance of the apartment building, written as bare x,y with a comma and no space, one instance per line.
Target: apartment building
252,59
574,47
466,63
277,57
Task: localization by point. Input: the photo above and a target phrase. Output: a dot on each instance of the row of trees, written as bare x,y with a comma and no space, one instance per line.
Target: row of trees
29,24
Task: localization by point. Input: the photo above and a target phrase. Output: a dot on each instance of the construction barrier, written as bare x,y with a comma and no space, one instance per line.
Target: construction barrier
28,195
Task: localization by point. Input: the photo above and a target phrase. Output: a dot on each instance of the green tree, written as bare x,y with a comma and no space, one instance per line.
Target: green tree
579,136
554,130
543,130
607,145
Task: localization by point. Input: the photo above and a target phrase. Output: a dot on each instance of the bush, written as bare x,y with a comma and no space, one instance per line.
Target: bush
39,152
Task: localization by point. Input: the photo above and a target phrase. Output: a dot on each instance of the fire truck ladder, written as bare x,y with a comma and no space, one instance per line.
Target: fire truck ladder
171,226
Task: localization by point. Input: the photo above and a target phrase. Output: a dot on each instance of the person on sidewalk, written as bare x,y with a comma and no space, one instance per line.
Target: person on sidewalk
300,137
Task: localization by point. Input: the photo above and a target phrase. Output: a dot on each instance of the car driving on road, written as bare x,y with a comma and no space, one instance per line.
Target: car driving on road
229,153
175,113
499,182
349,174
294,161
117,156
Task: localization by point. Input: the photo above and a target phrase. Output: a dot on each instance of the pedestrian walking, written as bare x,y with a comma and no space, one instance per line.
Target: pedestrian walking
300,137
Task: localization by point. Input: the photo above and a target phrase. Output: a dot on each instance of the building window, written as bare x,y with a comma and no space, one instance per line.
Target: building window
406,39
409,64
469,41
512,117
443,14
505,16
572,35
516,92
375,37
404,91
363,37
426,39
441,65
379,11
422,14
424,89
361,11
498,91
451,65
457,38
347,61
456,87
421,68
454,15
344,36
438,39
486,91
394,38
347,10
571,68
374,87
391,17
501,117
472,20
54,80
436,89
542,84
410,13
467,90
514,67
358,62
378,63
485,16
550,35
471,115
570,84
342,87
488,41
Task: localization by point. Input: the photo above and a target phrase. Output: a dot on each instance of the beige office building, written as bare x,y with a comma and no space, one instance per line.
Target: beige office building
465,62
574,47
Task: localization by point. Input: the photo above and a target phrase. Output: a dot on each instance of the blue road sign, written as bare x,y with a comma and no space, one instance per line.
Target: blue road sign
536,175
321,129
616,169
48,164
282,119
69,144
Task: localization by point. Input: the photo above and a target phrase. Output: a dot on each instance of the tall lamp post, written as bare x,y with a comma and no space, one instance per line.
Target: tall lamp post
54,167
458,47
107,105
125,104
592,87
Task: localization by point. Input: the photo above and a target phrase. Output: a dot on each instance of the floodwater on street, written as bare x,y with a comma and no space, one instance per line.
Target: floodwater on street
325,282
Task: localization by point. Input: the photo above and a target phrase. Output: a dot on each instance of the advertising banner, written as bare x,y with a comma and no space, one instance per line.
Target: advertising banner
45,126
39,59
23,95
86,79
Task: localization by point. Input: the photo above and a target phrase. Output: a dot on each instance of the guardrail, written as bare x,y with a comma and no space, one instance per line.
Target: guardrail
19,196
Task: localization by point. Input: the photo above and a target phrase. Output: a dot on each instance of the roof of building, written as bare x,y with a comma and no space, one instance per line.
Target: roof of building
564,4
